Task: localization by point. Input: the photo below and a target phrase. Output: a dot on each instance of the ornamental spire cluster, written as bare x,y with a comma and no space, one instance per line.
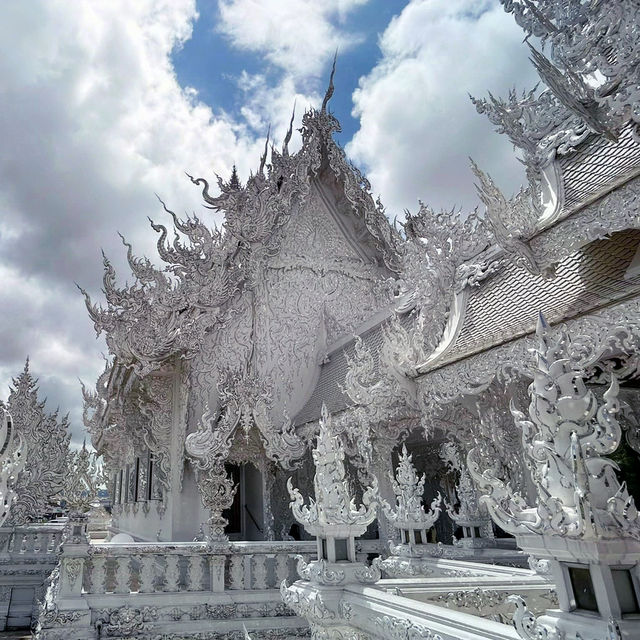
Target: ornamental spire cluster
45,442
168,309
408,512
590,63
334,505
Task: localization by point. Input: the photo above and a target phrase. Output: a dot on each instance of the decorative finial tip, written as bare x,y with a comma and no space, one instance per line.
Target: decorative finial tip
542,326
330,88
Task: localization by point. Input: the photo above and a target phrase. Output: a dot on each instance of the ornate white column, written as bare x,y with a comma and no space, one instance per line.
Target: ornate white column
268,480
383,470
12,461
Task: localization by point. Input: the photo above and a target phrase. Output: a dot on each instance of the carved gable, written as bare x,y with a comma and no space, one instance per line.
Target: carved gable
319,287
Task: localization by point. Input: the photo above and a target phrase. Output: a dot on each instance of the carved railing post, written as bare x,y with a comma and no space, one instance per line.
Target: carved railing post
584,523
172,574
217,564
335,521
195,573
98,580
64,603
236,572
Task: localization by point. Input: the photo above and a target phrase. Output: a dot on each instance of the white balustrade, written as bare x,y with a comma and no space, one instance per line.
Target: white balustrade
174,567
32,545
31,540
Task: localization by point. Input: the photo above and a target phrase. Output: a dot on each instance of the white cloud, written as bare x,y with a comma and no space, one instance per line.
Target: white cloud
267,106
417,124
296,35
93,123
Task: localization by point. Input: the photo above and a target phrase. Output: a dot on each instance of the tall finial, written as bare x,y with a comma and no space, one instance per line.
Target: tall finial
263,159
287,138
234,181
329,93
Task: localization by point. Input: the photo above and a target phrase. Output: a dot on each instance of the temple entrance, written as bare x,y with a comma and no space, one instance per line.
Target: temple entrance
246,514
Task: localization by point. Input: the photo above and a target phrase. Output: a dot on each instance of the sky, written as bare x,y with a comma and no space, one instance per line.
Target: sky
104,103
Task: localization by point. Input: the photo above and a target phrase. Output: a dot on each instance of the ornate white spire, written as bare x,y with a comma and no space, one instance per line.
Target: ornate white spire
408,511
83,480
45,440
470,512
334,519
333,512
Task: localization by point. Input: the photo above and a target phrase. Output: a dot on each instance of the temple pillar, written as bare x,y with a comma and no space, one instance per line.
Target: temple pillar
268,482
383,469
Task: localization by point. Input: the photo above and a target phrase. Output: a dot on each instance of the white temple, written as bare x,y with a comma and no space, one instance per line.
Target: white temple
455,398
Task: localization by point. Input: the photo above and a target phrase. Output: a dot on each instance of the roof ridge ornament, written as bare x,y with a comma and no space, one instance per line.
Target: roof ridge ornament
287,138
512,221
330,89
263,157
591,73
